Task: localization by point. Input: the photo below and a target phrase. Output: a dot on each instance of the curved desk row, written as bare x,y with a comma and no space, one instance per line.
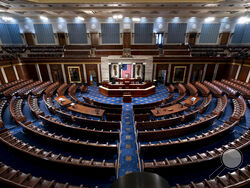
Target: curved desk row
121,92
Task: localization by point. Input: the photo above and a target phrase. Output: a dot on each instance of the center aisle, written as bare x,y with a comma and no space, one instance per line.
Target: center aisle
128,156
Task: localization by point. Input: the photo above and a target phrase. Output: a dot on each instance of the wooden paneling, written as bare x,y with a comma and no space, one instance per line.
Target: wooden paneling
1,78
107,53
126,40
141,47
94,37
9,71
27,72
176,52
143,52
223,72
224,38
109,47
44,72
92,69
29,37
243,73
197,72
21,71
62,39
56,72
192,38
233,71
209,72
66,71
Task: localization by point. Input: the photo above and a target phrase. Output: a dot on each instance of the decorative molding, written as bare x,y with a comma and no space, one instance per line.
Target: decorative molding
238,72
16,74
215,71
99,73
184,76
38,72
248,77
69,68
190,72
64,74
123,1
154,73
84,73
169,72
204,73
49,72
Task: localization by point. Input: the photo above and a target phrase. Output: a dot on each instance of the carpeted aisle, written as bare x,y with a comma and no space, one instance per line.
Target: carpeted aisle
128,156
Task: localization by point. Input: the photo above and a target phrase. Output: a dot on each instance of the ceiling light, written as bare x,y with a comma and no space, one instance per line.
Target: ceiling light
89,11
114,5
211,5
7,19
209,19
117,16
44,18
243,20
80,18
136,19
176,19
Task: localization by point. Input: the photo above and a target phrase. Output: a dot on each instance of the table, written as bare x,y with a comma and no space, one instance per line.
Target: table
120,92
79,108
127,99
168,110
63,101
87,110
188,102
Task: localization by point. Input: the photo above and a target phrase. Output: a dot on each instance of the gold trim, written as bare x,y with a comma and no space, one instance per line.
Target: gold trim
79,73
57,63
187,63
184,76
123,1
77,63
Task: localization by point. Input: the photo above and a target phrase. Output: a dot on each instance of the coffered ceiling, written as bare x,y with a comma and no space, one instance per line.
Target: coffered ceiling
128,8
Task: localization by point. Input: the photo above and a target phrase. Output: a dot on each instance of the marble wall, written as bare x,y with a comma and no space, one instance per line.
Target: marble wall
147,61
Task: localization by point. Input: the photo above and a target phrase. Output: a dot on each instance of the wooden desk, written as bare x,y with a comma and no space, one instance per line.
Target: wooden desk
80,108
127,99
65,101
168,110
87,110
188,102
120,92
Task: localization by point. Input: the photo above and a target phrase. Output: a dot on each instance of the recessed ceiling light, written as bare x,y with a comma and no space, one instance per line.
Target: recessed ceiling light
209,19
7,19
211,5
117,16
114,5
243,20
136,19
43,18
89,11
80,18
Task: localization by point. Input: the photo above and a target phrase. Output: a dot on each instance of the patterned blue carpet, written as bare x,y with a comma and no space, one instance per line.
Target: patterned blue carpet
128,159
93,93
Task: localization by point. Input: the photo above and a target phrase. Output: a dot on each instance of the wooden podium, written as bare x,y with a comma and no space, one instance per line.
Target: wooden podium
127,98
